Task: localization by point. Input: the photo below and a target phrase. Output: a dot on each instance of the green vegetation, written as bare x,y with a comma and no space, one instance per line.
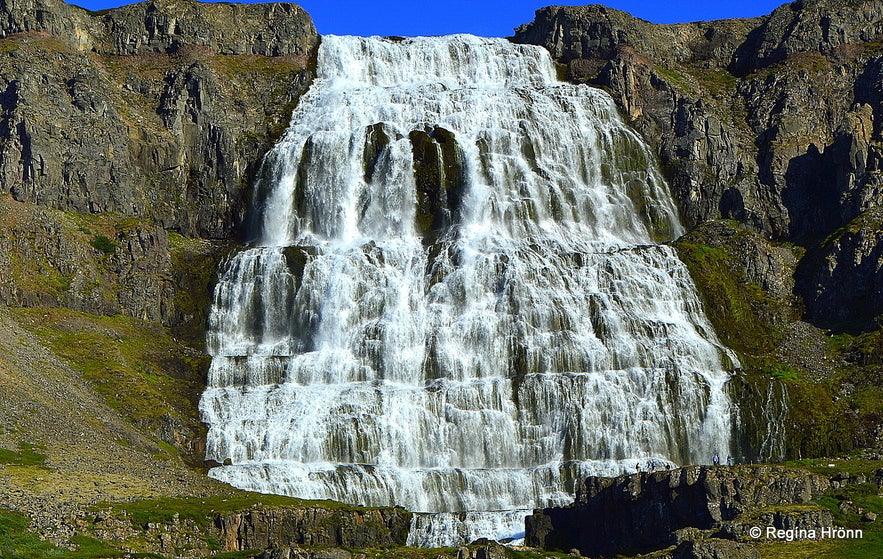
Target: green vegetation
201,510
736,307
194,271
26,456
103,244
779,371
18,543
676,78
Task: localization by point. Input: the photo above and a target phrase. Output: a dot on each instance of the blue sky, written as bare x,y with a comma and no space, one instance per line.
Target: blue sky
492,18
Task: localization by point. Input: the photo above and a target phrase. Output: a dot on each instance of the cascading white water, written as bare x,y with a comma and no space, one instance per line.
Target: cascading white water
457,302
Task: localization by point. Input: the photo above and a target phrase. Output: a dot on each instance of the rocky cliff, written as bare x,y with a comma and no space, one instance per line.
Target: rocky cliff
154,115
691,508
159,110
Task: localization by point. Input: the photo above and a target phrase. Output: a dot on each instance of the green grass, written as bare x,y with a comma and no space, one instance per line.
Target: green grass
103,244
201,510
781,371
26,456
676,78
851,466
731,303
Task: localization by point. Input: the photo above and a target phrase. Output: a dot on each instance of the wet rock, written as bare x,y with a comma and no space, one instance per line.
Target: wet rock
438,175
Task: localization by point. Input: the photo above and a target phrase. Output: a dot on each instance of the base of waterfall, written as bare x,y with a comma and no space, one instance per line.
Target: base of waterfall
449,529
415,488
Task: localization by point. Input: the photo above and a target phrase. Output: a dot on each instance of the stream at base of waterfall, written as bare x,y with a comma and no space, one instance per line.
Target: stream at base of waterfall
458,298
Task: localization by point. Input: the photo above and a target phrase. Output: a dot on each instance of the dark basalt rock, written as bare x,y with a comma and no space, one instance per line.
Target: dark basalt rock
842,281
438,174
644,512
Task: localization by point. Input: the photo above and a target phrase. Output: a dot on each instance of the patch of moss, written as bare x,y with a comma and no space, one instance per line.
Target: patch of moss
731,304
819,422
781,371
26,455
103,244
676,78
194,270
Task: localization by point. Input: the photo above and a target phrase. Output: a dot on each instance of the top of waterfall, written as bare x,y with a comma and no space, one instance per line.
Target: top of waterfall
452,60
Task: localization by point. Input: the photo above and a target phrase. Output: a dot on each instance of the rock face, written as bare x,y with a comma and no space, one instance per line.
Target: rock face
773,121
257,528
52,259
643,512
263,528
851,258
159,110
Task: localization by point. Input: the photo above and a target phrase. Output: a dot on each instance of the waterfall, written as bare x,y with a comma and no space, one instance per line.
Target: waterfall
457,300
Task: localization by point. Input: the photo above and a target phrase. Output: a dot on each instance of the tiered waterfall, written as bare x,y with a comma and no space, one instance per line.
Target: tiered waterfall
457,299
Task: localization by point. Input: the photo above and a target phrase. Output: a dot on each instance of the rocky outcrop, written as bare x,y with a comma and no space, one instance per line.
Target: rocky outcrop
809,25
128,141
274,527
166,119
50,16
102,266
259,527
643,512
852,260
746,283
270,29
736,109
700,148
